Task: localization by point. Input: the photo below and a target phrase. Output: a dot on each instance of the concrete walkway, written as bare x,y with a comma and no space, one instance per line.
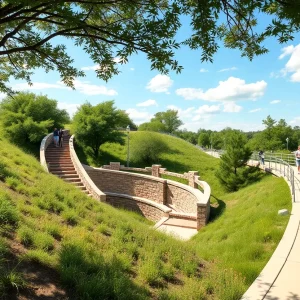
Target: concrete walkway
280,278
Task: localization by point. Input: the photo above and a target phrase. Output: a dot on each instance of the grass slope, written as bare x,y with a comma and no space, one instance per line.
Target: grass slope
97,251
245,228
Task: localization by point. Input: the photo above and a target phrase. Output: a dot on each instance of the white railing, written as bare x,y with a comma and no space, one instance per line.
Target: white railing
273,162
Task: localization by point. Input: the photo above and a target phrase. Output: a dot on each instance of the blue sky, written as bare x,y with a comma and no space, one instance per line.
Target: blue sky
230,92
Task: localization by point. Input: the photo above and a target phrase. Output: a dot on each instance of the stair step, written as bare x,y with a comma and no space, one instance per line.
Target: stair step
74,182
183,216
64,168
81,187
181,223
72,179
64,172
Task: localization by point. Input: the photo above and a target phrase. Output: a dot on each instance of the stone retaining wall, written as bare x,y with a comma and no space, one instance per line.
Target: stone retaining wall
86,180
138,185
183,198
148,209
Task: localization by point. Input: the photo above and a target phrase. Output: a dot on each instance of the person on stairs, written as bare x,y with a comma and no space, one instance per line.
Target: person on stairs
55,137
60,137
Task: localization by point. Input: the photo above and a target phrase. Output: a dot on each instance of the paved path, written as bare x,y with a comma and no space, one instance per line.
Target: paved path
280,279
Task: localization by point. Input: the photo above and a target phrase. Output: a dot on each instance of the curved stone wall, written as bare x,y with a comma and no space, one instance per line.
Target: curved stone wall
47,140
161,191
86,180
149,209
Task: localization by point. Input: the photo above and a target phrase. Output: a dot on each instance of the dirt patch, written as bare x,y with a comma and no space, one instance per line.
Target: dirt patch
42,281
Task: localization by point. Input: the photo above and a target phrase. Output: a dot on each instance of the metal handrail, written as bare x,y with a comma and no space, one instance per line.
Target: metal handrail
283,168
274,163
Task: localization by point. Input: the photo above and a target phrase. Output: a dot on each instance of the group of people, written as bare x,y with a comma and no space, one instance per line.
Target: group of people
58,137
297,156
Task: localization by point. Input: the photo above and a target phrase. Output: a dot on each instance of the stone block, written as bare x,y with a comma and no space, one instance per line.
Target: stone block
283,212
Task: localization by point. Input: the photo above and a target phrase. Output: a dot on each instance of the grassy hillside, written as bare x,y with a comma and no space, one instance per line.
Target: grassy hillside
244,228
181,157
51,230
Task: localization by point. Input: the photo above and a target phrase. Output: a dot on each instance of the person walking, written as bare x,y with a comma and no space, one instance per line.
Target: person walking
297,155
60,137
55,137
262,157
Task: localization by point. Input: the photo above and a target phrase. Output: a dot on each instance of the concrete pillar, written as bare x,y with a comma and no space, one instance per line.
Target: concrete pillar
191,176
115,166
155,170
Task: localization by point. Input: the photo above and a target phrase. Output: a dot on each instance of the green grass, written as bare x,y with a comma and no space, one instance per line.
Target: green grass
104,253
244,227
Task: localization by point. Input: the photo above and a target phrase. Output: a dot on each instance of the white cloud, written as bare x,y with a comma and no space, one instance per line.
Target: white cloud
203,70
231,107
89,68
149,102
183,113
84,87
255,110
230,90
132,69
295,121
275,101
159,84
2,96
293,64
228,69
116,59
137,116
24,86
71,108
286,51
206,111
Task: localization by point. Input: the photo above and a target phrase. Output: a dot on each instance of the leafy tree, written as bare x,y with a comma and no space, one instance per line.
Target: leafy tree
274,136
169,119
119,28
147,149
27,117
156,126
95,125
203,139
186,135
233,172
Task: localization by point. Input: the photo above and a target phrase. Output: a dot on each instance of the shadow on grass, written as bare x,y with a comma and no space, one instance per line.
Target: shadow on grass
31,149
86,156
25,279
94,277
216,211
174,166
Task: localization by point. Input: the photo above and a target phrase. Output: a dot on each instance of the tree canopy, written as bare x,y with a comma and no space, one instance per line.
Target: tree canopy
169,119
95,125
118,28
233,172
27,117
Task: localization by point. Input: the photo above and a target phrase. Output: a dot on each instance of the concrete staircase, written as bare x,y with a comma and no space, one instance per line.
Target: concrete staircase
60,164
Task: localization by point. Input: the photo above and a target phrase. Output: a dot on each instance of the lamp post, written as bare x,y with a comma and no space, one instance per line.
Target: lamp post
287,143
128,130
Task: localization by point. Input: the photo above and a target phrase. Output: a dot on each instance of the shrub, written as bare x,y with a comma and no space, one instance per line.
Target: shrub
8,212
147,149
26,235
